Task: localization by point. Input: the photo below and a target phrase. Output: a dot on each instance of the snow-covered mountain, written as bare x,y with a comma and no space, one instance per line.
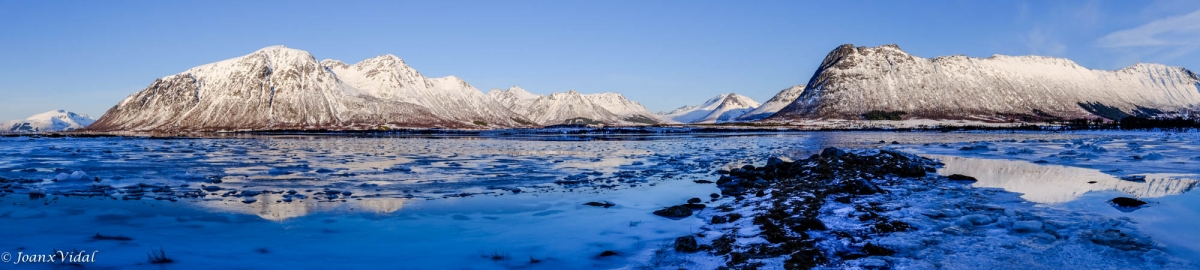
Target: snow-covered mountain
852,81
514,97
571,107
282,88
628,110
773,105
51,121
722,108
388,77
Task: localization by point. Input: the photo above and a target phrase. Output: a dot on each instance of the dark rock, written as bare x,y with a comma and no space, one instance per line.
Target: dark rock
1127,202
674,212
702,181
695,206
810,224
959,177
734,217
832,152
686,244
860,187
607,253
778,161
211,188
719,220
723,245
694,200
876,250
892,226
724,180
604,204
714,195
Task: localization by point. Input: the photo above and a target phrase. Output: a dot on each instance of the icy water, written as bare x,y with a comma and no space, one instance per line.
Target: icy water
479,202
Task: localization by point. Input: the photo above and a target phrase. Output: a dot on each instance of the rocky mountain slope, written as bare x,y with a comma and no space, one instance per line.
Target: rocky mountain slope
853,81
281,88
51,121
722,108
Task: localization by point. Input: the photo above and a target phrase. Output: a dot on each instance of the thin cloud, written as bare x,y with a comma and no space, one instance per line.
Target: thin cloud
1178,31
1038,41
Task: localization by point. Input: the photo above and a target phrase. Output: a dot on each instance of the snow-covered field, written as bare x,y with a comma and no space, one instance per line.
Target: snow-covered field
493,202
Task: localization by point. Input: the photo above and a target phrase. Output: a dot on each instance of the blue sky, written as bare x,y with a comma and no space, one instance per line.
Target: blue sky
86,56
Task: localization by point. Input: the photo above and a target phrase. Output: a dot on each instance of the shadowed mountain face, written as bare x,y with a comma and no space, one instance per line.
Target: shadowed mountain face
282,88
853,81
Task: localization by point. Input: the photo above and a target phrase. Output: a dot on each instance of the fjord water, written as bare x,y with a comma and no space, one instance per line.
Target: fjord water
437,202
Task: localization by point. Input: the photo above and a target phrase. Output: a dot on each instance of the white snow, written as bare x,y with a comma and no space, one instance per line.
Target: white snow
773,105
856,80
51,121
722,108
282,88
568,107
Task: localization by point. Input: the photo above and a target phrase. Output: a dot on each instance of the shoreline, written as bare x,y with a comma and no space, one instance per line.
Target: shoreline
883,209
574,130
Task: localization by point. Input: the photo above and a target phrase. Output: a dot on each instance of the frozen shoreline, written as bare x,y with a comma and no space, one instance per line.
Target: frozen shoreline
910,221
555,177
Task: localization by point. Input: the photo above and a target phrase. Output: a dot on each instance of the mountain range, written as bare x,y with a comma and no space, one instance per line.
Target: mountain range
854,81
722,108
279,88
571,107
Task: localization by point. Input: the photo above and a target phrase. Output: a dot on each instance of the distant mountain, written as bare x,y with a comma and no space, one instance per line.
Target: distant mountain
51,121
722,108
854,81
773,105
389,78
571,107
628,110
281,88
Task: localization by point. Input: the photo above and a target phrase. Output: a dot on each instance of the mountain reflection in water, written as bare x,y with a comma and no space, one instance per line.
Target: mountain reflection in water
1055,184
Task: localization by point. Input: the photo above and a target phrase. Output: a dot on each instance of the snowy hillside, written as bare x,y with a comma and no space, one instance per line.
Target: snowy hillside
283,88
513,97
629,110
773,105
51,121
852,81
571,107
387,77
722,108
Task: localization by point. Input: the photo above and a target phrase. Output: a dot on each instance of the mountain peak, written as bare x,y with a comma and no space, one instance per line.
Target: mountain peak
51,121
852,81
724,107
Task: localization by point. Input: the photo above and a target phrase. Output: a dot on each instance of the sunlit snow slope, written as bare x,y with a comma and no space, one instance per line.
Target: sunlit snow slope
571,107
281,88
51,121
853,80
722,108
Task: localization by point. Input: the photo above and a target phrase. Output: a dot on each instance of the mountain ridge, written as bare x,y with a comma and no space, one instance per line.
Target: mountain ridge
852,81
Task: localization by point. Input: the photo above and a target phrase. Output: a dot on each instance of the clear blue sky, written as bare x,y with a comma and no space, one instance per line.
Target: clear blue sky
85,56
